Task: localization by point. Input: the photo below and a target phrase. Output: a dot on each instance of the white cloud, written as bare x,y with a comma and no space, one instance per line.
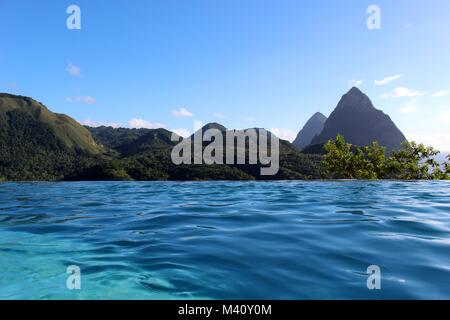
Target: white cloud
73,70
284,133
355,83
91,123
82,99
182,113
403,92
182,132
219,115
388,80
408,26
440,94
250,119
137,123
440,141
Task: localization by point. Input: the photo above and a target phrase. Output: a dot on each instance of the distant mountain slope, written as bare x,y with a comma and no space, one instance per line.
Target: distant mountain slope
312,128
360,123
65,129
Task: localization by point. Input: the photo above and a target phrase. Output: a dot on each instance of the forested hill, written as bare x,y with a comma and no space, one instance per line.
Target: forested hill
37,144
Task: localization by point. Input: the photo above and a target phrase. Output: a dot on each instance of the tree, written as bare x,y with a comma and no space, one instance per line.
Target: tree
412,162
361,166
376,154
338,160
447,168
346,161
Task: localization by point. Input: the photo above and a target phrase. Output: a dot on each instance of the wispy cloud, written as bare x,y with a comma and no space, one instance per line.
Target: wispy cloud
355,83
387,80
250,119
73,70
410,107
92,123
219,115
284,133
82,99
403,92
440,94
137,123
182,113
408,25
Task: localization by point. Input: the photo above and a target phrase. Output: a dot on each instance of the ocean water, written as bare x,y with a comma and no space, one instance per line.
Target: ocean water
225,240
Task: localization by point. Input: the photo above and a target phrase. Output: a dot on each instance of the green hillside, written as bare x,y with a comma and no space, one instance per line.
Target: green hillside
69,132
36,144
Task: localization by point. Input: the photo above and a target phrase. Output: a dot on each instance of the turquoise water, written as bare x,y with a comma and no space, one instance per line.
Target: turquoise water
225,240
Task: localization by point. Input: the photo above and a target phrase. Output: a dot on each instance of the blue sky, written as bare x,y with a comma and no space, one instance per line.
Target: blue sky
243,63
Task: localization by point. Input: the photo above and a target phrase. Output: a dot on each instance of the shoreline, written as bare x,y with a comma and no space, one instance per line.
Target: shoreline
221,181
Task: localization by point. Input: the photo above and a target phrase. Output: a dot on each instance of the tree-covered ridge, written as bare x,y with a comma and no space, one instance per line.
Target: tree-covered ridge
147,156
116,138
412,162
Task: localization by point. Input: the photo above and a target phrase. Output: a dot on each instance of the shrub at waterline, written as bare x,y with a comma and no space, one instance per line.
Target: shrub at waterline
412,162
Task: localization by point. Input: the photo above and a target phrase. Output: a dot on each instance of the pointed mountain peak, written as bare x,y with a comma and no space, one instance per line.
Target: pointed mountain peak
355,91
360,123
318,116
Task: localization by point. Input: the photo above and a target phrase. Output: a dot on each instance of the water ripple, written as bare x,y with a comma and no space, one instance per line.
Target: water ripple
225,240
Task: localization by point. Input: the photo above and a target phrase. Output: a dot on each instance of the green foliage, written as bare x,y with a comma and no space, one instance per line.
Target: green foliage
376,155
29,150
100,170
116,138
447,168
345,161
412,162
338,158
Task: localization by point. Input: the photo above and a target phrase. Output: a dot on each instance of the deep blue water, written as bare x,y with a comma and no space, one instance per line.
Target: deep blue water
225,240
